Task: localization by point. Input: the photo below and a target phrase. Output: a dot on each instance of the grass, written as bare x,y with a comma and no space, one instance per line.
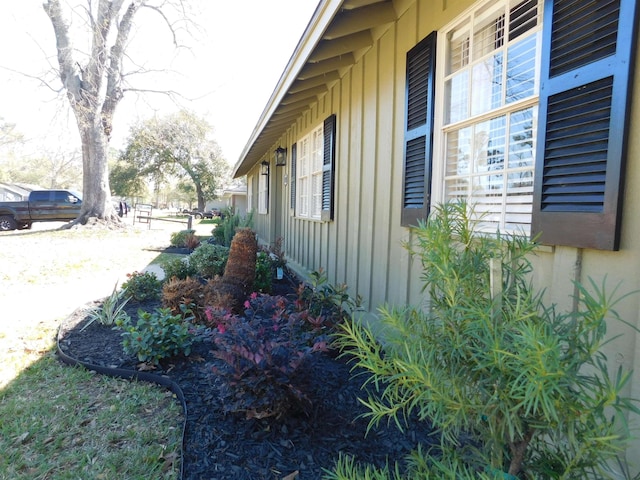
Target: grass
164,258
59,422
76,424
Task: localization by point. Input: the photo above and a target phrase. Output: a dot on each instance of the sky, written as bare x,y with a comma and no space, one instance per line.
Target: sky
231,61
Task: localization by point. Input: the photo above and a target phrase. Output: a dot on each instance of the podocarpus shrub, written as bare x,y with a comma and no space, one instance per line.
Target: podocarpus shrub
241,266
515,388
231,221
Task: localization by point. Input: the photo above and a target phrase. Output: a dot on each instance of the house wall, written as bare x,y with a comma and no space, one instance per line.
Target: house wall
362,247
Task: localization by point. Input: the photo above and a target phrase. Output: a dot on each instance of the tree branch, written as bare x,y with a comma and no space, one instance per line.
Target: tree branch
114,92
166,20
69,71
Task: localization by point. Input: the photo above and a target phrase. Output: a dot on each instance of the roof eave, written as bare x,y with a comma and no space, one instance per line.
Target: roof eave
321,19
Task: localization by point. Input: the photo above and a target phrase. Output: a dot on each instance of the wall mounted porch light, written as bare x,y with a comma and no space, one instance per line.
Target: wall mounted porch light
281,156
264,168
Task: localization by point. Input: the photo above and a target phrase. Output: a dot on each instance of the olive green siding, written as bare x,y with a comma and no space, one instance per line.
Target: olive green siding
362,246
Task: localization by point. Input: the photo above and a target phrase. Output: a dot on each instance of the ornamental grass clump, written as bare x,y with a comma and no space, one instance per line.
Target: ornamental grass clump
515,388
111,310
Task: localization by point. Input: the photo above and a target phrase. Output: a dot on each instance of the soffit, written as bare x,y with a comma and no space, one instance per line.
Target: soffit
338,34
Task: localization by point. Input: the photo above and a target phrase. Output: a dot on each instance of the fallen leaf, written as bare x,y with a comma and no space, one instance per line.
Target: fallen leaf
292,476
22,438
168,461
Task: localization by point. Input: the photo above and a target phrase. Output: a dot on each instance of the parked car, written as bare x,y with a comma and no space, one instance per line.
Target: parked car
200,214
41,206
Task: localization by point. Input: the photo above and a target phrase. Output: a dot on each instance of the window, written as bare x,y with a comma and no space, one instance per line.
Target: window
489,112
294,164
309,172
39,196
263,193
313,168
532,121
249,194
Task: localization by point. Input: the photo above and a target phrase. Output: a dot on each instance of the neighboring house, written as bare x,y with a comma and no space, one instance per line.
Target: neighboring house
525,108
233,196
14,192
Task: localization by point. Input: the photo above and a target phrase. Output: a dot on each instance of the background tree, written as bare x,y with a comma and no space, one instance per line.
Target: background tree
48,169
125,180
178,146
93,81
9,136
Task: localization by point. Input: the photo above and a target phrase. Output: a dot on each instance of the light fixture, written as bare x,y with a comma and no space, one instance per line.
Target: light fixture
264,168
281,156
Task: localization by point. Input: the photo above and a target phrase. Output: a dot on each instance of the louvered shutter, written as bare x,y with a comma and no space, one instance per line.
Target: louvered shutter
294,159
416,188
328,168
585,86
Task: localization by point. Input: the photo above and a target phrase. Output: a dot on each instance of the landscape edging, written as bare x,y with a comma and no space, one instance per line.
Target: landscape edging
133,375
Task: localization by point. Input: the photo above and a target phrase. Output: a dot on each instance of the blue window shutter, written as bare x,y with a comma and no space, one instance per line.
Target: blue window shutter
418,150
587,65
328,168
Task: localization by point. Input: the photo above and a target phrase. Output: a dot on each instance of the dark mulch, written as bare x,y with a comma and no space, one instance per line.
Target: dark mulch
227,446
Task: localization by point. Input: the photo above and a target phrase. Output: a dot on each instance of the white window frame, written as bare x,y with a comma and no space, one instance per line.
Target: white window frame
249,194
263,194
508,217
309,164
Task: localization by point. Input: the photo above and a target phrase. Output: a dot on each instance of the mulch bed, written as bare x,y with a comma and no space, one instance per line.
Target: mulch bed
227,446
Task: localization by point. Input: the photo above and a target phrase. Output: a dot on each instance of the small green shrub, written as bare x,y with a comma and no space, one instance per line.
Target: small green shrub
141,287
179,239
111,310
329,303
218,235
209,260
157,335
267,262
265,270
178,267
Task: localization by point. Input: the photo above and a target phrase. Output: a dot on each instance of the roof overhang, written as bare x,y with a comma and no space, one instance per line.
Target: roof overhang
338,34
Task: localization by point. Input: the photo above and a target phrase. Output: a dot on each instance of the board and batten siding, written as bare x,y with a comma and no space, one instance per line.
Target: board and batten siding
362,245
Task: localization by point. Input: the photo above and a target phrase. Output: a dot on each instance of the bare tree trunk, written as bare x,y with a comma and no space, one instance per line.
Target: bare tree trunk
94,91
96,191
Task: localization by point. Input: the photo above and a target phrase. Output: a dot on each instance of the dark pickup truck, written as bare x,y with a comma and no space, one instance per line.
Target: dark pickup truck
42,206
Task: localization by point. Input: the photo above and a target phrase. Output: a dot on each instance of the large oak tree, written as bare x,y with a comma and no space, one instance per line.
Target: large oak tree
94,86
178,146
